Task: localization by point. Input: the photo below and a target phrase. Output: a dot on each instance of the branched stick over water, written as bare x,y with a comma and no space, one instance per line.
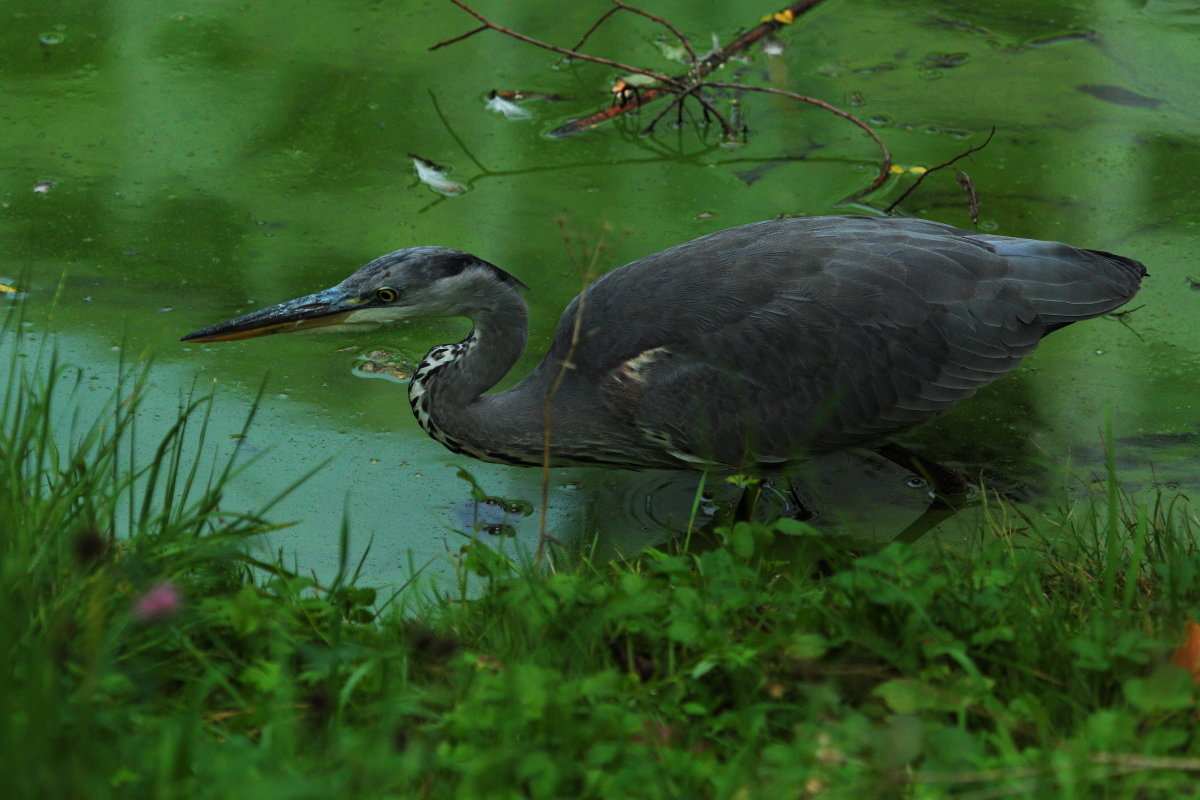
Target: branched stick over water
972,198
700,67
489,25
886,156
621,6
690,84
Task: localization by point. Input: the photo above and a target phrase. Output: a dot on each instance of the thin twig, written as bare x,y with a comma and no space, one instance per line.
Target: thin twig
567,364
884,168
701,68
943,165
487,23
595,25
964,180
683,40
466,35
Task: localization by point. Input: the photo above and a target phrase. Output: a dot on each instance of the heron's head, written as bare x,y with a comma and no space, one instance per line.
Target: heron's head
414,282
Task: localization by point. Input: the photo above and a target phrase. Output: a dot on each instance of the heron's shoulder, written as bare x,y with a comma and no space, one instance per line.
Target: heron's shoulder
793,246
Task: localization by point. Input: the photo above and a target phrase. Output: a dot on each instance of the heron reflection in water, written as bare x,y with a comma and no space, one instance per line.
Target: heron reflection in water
748,349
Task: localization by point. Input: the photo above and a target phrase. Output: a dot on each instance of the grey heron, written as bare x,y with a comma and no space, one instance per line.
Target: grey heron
747,349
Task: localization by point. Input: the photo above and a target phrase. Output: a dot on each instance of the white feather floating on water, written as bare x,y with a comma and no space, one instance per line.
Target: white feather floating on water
508,108
435,178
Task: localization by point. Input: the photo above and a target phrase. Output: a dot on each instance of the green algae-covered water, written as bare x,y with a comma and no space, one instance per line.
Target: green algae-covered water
166,167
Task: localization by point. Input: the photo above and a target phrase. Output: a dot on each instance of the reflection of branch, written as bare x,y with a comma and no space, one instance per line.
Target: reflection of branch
437,109
693,92
943,165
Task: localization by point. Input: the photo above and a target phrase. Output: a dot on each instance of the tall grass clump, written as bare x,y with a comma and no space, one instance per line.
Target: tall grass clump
146,653
97,551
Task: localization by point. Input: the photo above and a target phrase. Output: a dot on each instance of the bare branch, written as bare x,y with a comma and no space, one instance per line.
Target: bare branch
595,25
702,68
683,40
964,180
769,25
689,85
466,35
932,170
620,6
885,166
487,23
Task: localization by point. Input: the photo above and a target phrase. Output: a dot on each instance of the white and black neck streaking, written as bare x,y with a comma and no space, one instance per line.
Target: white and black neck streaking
447,396
446,388
446,393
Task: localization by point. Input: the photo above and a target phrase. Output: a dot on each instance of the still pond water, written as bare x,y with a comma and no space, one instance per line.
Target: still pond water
170,166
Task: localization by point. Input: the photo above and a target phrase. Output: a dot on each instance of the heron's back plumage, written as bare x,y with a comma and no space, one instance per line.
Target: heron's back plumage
770,341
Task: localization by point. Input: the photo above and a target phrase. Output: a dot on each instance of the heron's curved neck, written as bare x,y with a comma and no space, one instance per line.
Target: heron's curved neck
445,392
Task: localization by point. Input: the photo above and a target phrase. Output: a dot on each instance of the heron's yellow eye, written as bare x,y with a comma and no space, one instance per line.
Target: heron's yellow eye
386,294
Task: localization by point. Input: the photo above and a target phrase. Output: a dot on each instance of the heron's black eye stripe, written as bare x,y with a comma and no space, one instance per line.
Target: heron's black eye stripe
386,294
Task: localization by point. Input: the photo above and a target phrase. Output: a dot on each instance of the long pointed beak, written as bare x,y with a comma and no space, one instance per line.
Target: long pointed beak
328,307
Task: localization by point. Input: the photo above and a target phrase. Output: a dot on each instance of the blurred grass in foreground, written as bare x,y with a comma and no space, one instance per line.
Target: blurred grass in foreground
146,654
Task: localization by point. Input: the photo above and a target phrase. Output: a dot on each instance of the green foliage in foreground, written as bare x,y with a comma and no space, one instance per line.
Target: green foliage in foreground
763,664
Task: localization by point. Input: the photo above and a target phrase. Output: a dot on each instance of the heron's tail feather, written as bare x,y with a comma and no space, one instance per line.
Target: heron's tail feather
1068,284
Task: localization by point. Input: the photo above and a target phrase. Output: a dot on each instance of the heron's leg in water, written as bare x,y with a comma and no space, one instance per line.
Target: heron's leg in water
946,482
747,506
950,489
939,511
799,507
752,499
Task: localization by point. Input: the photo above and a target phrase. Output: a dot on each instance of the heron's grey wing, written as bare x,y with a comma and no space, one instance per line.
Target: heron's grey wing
890,331
770,390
